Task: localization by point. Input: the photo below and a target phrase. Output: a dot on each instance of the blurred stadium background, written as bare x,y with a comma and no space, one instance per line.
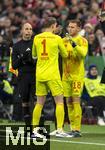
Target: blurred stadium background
13,13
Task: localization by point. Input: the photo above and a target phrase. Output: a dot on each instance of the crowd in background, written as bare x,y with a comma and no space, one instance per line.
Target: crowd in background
14,13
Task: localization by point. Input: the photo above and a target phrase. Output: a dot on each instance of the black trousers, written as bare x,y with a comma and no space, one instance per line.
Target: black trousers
26,86
98,102
24,92
103,76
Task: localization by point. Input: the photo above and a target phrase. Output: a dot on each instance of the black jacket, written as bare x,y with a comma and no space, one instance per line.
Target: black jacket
103,74
22,57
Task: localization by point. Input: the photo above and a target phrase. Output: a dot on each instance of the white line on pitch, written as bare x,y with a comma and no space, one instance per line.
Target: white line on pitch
81,132
75,142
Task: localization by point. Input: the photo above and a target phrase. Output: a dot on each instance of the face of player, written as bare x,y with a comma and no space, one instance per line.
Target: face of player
73,29
27,31
94,71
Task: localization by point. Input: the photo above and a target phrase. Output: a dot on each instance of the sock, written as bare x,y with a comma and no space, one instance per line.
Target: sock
27,115
60,115
37,114
71,116
77,115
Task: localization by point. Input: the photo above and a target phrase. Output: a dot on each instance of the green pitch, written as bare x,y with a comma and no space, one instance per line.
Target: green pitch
93,138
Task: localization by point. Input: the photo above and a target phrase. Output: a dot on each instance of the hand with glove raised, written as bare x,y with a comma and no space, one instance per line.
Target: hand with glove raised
26,56
69,38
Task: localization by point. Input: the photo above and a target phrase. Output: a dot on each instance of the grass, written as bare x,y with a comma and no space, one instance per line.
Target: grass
93,138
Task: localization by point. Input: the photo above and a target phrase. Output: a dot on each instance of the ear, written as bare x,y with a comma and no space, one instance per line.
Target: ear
67,28
21,31
52,26
32,33
79,29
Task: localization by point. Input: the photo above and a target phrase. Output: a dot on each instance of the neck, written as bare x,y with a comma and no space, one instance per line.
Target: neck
74,35
91,76
48,30
26,39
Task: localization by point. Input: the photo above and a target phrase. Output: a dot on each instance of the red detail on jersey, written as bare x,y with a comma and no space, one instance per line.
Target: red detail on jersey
44,47
76,85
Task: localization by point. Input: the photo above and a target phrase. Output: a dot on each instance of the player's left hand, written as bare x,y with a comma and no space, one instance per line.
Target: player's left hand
69,38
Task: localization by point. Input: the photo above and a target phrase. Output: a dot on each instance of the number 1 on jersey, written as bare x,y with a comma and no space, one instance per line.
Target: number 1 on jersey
44,47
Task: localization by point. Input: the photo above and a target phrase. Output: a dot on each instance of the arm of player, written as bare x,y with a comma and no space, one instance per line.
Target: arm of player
34,53
62,48
82,49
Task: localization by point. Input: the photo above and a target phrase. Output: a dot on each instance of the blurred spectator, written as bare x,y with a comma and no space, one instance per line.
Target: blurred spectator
6,91
16,12
94,93
88,29
99,34
102,23
94,46
94,10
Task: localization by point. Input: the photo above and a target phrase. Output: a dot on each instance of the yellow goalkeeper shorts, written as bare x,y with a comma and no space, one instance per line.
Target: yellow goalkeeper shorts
55,86
72,88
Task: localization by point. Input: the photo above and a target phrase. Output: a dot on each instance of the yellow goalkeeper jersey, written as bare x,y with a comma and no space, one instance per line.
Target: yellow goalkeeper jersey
73,66
46,47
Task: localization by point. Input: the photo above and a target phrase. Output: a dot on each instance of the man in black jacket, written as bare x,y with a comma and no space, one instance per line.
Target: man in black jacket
102,22
26,66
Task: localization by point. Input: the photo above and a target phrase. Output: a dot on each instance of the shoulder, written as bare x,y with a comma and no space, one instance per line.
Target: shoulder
38,35
17,44
99,78
65,40
57,37
5,82
82,41
31,41
82,38
86,79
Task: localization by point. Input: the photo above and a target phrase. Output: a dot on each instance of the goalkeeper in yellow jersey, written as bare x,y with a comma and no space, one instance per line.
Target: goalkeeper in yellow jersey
47,47
73,74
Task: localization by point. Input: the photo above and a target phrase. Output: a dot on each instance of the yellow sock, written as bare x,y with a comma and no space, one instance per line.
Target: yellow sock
60,115
77,115
37,114
71,115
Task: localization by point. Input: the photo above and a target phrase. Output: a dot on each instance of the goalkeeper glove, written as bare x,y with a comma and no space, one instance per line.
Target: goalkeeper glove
25,57
69,38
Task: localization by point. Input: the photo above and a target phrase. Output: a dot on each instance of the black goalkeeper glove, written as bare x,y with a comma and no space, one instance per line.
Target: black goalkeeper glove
69,38
25,57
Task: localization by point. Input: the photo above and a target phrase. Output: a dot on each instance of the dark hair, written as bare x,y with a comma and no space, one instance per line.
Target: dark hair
89,75
49,21
75,21
92,66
